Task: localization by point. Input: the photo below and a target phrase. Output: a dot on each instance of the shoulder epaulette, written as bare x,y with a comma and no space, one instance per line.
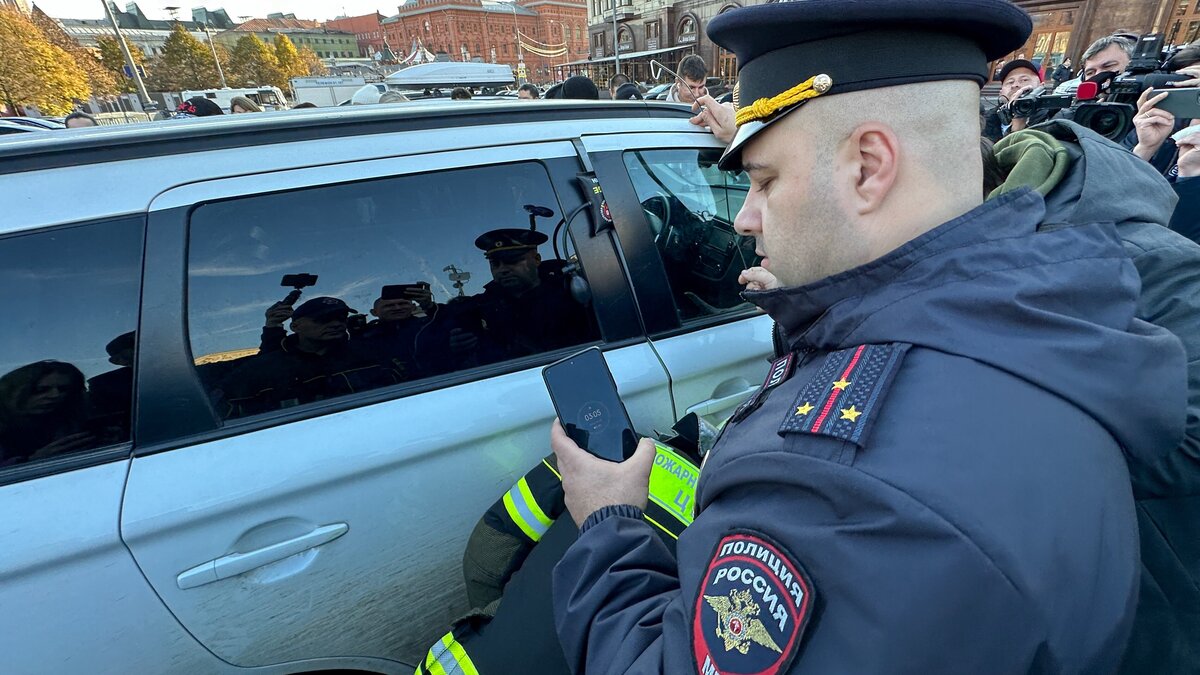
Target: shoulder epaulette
843,399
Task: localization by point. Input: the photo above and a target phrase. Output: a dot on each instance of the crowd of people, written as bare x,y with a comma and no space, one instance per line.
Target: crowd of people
332,350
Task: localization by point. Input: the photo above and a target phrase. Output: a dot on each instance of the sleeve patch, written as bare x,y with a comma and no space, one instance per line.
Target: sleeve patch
752,608
844,397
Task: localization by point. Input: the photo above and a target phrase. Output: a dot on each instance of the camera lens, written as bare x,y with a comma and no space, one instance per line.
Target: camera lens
1105,123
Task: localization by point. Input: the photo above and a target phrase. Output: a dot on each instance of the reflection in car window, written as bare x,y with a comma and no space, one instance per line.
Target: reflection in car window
690,206
66,350
325,292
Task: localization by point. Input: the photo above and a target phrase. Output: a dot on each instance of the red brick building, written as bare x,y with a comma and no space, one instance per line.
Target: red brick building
540,33
367,28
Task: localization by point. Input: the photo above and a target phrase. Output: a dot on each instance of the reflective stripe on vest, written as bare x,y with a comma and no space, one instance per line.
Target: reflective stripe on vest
673,483
525,512
447,657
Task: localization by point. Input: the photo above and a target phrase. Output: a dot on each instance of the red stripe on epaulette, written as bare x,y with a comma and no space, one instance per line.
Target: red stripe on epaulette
843,398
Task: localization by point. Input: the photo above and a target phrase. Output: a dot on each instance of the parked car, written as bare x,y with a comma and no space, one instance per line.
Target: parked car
8,127
171,504
36,122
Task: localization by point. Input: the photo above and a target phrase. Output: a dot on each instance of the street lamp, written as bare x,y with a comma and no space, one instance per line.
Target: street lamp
616,46
143,95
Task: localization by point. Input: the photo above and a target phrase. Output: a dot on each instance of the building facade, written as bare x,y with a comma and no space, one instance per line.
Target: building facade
328,44
148,34
667,31
660,30
541,34
367,30
1065,28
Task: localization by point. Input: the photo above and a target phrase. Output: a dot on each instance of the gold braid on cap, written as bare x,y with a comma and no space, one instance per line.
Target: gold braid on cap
765,107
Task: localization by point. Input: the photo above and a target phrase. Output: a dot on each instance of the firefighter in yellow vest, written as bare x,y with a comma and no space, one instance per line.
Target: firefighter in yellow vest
514,548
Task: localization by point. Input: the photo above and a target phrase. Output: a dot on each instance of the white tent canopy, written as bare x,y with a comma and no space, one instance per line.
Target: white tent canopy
451,74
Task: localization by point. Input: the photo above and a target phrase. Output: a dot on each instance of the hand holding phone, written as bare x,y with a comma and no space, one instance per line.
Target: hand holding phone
589,408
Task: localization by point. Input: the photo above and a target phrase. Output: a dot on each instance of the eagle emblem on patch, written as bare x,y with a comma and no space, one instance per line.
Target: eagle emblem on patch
738,623
844,397
752,608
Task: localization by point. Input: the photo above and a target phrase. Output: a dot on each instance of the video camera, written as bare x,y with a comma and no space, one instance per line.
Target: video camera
1112,117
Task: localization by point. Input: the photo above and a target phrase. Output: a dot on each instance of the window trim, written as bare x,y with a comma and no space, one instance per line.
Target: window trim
19,473
650,283
174,408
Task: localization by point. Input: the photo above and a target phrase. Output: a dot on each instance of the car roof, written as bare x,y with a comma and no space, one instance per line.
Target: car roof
73,147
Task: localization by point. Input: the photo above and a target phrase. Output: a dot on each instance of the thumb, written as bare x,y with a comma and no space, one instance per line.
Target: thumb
643,458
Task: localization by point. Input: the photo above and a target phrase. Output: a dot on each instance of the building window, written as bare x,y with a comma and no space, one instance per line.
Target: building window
1183,6
1192,31
687,31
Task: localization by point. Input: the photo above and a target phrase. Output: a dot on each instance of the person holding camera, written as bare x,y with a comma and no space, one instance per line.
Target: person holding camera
1151,138
1018,78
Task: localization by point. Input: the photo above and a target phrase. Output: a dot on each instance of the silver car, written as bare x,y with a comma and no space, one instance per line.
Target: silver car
259,380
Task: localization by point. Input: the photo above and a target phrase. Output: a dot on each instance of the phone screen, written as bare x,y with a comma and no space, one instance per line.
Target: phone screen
589,408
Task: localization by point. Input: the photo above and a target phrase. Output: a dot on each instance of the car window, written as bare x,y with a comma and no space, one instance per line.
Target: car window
67,346
690,206
326,292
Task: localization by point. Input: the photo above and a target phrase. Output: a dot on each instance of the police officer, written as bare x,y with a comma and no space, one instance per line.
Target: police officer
527,308
317,361
933,478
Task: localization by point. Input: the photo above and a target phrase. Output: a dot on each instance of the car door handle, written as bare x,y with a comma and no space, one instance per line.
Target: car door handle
239,563
713,406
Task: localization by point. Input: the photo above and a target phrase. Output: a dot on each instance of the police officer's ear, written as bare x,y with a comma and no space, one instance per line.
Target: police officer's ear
873,155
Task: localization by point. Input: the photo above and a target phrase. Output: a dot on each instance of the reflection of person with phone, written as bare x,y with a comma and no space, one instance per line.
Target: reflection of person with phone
413,330
316,361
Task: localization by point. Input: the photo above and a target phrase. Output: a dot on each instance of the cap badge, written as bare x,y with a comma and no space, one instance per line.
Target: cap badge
766,107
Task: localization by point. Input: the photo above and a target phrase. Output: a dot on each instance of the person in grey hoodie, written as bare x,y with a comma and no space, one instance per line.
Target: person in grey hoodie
1083,181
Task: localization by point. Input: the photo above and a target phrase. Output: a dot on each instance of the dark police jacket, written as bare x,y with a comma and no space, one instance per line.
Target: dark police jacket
939,487
1166,635
544,319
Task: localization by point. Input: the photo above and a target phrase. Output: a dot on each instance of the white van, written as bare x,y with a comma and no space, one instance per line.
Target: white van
267,98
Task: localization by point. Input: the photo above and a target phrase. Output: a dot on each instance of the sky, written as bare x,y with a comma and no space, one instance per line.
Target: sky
303,9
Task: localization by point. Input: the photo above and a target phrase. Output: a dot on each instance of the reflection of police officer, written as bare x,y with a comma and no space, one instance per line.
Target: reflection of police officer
317,361
527,308
934,478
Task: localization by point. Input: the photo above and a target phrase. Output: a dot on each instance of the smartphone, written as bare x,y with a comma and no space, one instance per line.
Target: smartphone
1183,103
589,408
299,280
404,291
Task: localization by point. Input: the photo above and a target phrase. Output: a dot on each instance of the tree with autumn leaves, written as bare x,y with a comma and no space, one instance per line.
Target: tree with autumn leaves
36,72
185,63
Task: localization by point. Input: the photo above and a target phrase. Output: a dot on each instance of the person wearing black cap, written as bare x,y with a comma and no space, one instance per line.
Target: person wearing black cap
575,87
932,477
527,307
198,106
1017,78
317,361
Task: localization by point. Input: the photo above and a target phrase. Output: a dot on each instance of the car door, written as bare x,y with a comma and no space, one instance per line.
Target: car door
285,517
674,212
71,597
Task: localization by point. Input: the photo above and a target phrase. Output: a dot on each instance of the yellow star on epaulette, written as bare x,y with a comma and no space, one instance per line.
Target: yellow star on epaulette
851,414
841,385
804,409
